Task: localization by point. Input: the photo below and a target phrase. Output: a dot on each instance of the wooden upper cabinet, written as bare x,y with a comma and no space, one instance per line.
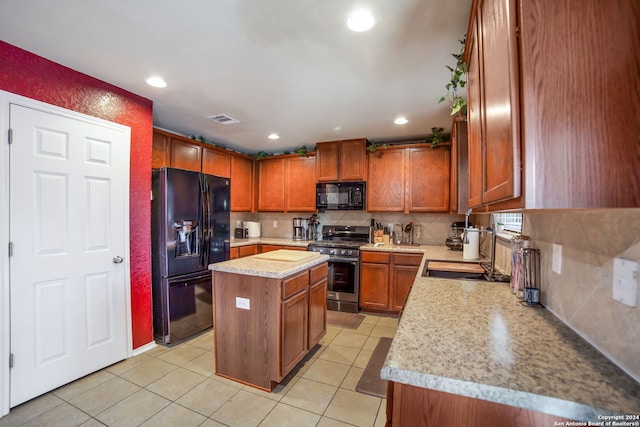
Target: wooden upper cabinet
459,165
242,184
287,184
428,179
271,175
160,155
186,155
341,160
353,160
552,132
216,162
474,114
300,184
500,98
386,181
409,179
327,158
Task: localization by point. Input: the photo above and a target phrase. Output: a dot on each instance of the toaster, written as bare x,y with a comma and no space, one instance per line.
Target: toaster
241,233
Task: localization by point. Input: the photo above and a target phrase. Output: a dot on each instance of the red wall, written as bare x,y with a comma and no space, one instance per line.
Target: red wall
32,76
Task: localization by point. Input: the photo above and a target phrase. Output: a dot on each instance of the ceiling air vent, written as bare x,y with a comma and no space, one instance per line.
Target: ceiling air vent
223,119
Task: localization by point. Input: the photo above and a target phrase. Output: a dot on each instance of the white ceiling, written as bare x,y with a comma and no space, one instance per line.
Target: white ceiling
290,67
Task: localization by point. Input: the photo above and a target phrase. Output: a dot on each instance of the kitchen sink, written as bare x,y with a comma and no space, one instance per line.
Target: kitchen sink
462,271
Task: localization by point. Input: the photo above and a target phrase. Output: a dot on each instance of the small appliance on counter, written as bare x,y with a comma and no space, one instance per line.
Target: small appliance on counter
454,241
241,233
253,229
299,231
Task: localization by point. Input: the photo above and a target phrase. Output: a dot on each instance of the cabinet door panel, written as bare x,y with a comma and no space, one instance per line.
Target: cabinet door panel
327,161
353,160
403,278
300,186
374,286
215,163
385,181
271,185
317,312
429,179
474,112
294,331
185,155
160,152
241,184
247,250
501,101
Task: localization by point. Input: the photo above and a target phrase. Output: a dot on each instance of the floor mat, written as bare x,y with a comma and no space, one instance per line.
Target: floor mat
343,319
370,381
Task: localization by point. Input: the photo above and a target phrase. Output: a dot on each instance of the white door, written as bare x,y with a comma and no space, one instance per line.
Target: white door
68,227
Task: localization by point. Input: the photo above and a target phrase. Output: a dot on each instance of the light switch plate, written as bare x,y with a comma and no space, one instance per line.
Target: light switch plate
275,224
625,281
556,261
244,303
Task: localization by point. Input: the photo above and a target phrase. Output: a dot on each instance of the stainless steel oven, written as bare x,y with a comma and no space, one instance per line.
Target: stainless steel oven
342,244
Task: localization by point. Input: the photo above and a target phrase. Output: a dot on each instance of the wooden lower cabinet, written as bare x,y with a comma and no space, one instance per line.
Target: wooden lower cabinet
295,321
386,279
374,280
416,406
285,318
317,311
243,251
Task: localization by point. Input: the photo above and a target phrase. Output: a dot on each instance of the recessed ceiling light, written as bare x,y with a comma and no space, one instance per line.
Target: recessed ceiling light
360,21
156,82
401,121
274,136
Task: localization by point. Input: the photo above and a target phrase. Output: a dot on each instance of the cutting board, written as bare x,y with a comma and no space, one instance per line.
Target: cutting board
286,255
465,267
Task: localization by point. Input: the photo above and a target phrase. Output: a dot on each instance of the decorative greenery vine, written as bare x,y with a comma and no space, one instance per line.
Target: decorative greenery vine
458,79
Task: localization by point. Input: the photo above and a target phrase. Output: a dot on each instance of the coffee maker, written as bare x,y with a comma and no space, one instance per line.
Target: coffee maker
299,230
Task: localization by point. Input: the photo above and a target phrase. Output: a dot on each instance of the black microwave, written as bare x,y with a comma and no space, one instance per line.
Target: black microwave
340,196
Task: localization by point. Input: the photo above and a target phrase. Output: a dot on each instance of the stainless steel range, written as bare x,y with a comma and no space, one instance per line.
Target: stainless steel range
342,244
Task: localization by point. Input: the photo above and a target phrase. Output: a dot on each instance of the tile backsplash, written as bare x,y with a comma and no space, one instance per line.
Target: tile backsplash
581,295
436,227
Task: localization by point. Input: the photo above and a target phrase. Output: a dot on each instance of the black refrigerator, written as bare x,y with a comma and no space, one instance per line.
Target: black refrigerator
189,230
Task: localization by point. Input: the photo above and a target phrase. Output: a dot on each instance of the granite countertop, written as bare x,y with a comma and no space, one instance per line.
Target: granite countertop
475,339
272,264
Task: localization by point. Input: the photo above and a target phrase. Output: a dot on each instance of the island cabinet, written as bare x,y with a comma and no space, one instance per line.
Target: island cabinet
409,178
386,279
287,184
265,326
341,160
546,126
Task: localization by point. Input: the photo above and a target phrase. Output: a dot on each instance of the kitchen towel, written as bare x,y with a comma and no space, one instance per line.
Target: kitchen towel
471,250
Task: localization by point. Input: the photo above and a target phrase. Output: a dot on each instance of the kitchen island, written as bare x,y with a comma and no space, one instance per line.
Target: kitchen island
468,353
269,311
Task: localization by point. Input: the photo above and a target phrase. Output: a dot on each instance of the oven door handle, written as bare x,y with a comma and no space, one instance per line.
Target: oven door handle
349,260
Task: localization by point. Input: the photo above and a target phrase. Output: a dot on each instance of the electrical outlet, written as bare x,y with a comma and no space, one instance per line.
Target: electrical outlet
275,224
556,261
625,281
243,303
238,223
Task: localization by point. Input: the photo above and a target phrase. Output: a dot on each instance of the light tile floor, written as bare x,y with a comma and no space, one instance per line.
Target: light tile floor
177,387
